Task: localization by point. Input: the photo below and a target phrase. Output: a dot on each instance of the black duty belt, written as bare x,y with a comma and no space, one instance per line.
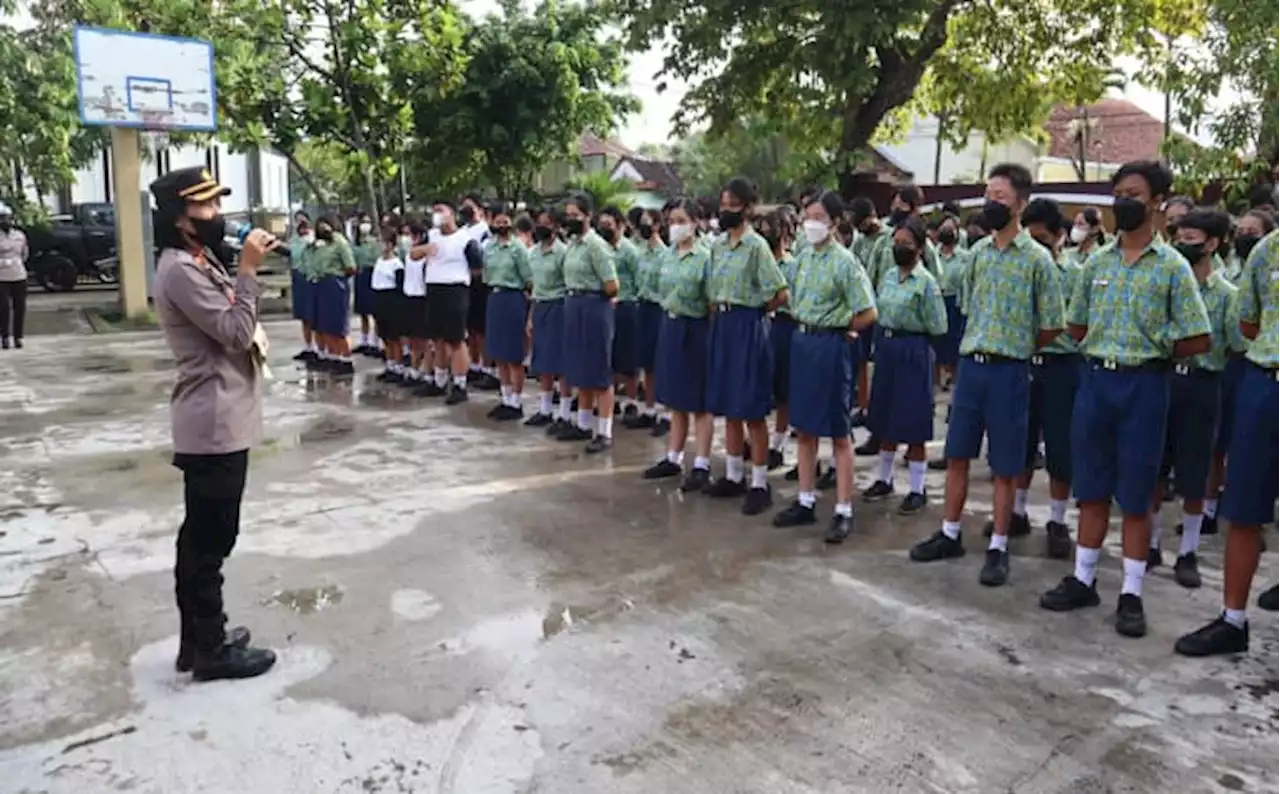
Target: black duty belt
1190,371
1049,359
993,358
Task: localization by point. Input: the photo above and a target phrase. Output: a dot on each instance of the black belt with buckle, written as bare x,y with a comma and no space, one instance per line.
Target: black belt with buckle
1111,365
1041,359
1189,371
892,333
574,293
993,358
728,307
821,329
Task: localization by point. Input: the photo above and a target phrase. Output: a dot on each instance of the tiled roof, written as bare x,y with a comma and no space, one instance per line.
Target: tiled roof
1119,131
656,175
591,145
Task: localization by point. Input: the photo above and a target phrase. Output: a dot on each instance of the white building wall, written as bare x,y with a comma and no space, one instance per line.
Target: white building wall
919,149
275,181
233,172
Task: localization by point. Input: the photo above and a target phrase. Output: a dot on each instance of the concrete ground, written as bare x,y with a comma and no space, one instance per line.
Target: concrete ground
463,607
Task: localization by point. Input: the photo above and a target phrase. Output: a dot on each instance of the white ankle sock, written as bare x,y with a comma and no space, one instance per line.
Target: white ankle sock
546,401
604,426
566,408
505,393
885,472
460,381
675,457
951,529
777,440
916,470
1134,570
1156,530
700,462
1087,563
1190,533
807,498
844,509
759,476
585,419
733,468
1211,508
1000,542
1236,617
442,377
1020,501
1058,510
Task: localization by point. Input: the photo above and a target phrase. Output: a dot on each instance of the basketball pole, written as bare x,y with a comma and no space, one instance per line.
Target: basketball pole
126,181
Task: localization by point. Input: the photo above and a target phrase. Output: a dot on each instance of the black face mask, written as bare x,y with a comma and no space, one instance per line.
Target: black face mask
324,234
898,217
1191,251
467,215
646,231
543,233
5,225
1130,213
212,232
948,237
609,235
574,225
502,231
1046,246
996,214
1244,244
730,219
904,255
975,238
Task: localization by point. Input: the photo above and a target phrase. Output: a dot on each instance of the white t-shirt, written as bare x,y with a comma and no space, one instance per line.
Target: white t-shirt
384,273
449,265
478,231
415,283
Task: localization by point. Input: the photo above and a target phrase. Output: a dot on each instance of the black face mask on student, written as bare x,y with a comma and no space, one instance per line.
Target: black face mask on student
609,235
904,256
543,233
502,231
1192,251
1244,244
468,215
898,217
948,237
997,214
1130,213
321,234
645,230
574,225
730,219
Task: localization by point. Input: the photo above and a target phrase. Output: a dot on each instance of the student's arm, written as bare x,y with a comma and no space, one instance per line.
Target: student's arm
1236,343
934,310
474,255
1047,292
1252,287
1078,308
1189,326
860,296
601,261
769,275
522,266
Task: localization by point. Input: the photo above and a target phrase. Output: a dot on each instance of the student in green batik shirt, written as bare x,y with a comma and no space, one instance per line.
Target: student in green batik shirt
743,285
953,260
330,266
1252,227
1013,306
1136,308
1087,235
301,292
1248,504
871,231
546,322
777,230
1055,379
652,251
1195,392
832,301
626,309
365,250
508,276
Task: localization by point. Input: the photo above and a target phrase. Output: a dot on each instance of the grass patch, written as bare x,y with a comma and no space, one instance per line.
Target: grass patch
113,321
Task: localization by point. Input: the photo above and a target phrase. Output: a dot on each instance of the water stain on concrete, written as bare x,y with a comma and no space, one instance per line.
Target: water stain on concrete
308,600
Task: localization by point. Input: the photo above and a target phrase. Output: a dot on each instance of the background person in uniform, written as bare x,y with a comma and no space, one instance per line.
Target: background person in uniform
472,216
13,280
331,266
778,232
682,348
209,322
1252,227
1055,378
911,314
832,301
1013,303
652,252
507,274
953,260
1136,307
387,284
453,257
1253,471
871,231
414,319
1175,209
546,321
591,283
1196,391
626,258
1087,235
365,250
743,284
301,293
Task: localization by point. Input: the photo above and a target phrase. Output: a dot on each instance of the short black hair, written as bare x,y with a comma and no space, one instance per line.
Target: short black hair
1045,211
1019,177
613,211
1261,196
830,202
498,208
861,208
915,227
1266,218
474,198
634,214
1210,221
743,189
1180,201
910,194
524,223
1092,216
951,207
690,207
977,219
444,202
582,201
781,221
1158,177
551,210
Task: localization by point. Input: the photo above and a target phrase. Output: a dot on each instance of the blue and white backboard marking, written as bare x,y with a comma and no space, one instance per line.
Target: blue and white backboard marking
143,80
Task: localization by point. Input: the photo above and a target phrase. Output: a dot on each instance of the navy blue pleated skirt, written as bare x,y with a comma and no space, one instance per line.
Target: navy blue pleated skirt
739,364
821,384
302,296
588,341
781,330
681,365
948,347
626,321
333,305
364,292
866,343
548,337
901,407
504,323
647,330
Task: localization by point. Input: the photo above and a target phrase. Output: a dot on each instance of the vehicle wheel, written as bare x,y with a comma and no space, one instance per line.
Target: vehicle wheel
107,274
58,274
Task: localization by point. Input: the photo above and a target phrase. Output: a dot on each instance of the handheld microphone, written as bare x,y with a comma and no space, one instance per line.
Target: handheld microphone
242,230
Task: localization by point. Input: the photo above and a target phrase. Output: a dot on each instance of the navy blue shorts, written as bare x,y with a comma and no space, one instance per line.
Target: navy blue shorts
588,341
948,346
781,330
333,305
647,330
504,325
1252,473
1054,382
364,292
901,406
681,365
740,364
991,397
626,320
1226,416
1194,402
548,337
302,296
1117,436
821,382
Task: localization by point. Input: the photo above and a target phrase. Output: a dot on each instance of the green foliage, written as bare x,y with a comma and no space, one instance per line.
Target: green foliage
755,147
534,81
604,191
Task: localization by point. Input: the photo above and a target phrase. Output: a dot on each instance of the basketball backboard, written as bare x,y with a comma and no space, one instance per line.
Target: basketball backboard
145,81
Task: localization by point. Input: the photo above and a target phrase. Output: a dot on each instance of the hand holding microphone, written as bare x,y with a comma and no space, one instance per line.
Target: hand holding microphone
254,245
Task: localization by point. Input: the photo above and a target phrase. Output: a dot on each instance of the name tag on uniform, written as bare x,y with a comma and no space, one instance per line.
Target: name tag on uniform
1100,282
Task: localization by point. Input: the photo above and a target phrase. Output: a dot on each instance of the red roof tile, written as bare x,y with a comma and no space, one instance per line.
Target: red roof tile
1119,131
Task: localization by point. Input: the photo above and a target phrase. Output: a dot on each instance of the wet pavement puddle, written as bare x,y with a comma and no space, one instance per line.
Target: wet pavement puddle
307,600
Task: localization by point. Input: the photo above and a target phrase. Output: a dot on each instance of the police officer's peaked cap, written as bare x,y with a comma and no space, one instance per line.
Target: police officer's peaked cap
187,185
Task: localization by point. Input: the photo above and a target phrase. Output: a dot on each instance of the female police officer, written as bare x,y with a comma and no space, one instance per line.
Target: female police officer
210,323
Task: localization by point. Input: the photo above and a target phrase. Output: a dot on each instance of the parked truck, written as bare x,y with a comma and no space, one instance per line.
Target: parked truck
80,246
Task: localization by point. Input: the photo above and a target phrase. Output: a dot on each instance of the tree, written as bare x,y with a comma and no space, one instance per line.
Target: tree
833,71
534,82
754,147
604,190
